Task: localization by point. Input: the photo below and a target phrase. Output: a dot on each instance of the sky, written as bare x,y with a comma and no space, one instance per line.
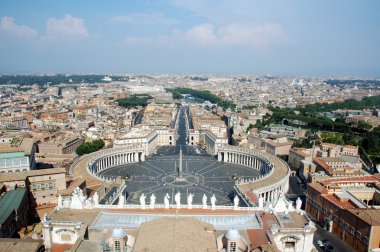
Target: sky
293,37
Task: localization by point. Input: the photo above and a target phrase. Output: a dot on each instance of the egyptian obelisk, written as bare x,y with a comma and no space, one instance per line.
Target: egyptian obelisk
180,164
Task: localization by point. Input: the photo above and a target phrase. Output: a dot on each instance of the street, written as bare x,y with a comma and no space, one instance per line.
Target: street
338,244
295,191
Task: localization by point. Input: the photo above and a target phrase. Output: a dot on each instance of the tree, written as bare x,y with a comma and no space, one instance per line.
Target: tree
89,147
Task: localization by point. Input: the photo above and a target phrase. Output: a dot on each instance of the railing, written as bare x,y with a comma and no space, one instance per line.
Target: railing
291,230
174,206
66,223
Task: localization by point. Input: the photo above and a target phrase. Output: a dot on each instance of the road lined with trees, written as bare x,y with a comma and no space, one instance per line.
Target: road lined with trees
202,95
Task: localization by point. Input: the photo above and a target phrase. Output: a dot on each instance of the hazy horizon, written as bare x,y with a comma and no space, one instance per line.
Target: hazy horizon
292,38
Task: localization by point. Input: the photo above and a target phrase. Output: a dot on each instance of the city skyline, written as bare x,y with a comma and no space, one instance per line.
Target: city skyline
215,37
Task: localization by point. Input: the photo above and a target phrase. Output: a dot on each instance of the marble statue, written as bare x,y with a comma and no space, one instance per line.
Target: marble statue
88,204
177,199
45,217
66,202
77,199
236,202
95,198
121,200
298,204
204,201
142,201
213,200
261,201
152,201
59,201
190,201
270,207
166,201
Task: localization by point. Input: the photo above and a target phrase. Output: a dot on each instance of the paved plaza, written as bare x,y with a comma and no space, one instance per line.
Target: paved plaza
202,173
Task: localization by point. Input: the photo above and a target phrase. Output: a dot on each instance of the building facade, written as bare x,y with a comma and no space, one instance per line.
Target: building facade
17,155
348,208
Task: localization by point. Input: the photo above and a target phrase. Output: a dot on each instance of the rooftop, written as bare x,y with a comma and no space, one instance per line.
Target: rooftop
18,145
17,176
9,202
280,172
19,245
220,220
371,216
296,220
172,234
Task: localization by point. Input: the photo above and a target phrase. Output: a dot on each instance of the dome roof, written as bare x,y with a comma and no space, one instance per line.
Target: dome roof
232,234
118,233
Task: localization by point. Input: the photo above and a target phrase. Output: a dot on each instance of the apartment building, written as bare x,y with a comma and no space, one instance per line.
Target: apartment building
348,208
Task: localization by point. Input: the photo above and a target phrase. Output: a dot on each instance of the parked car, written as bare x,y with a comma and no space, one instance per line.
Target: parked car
327,245
320,244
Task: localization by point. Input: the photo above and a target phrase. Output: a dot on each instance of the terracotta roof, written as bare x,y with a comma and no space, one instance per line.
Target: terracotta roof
368,179
322,164
258,237
251,196
344,204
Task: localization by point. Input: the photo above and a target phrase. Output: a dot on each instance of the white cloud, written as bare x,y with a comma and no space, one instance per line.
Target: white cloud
207,34
144,18
202,34
237,34
7,24
68,27
234,34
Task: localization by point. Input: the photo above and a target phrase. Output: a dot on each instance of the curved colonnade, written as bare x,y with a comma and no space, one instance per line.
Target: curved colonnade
104,159
274,177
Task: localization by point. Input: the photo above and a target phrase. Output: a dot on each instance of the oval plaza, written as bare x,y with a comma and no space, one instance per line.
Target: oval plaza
266,176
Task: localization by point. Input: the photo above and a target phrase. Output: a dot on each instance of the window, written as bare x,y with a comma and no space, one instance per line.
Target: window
346,226
366,240
290,246
358,235
232,246
117,246
341,223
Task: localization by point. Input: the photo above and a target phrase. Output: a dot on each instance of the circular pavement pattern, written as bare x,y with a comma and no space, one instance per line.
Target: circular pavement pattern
202,174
